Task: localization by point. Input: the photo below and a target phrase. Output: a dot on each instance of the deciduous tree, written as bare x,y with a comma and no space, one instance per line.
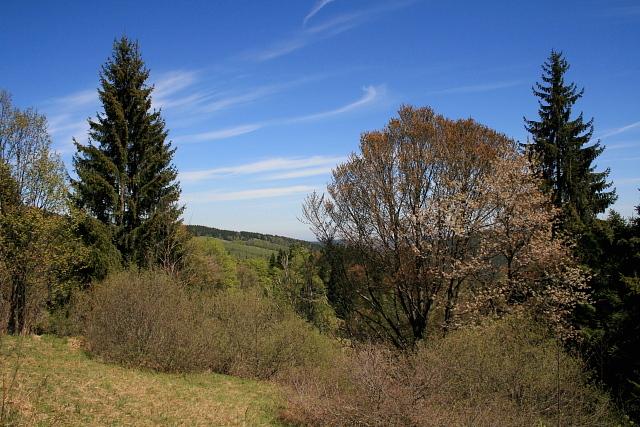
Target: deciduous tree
444,217
296,280
25,149
37,251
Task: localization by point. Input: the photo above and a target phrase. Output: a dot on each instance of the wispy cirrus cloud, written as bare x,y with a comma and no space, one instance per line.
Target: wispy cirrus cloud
174,81
372,93
278,49
304,173
327,29
287,168
193,98
78,100
229,99
261,193
187,89
483,87
218,134
67,118
623,159
169,89
620,130
319,5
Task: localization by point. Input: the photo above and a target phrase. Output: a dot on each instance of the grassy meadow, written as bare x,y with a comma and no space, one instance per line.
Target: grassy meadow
52,381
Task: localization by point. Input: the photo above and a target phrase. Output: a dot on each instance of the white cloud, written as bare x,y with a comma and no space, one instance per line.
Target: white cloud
624,159
218,134
279,49
297,168
480,87
215,196
620,130
319,5
618,145
173,81
371,93
228,100
67,118
175,89
303,173
323,31
627,180
81,99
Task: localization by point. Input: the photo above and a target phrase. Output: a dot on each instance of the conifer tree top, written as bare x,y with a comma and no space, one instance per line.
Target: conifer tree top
127,181
561,147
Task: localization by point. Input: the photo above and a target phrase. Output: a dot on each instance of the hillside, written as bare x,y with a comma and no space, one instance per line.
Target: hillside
245,244
48,380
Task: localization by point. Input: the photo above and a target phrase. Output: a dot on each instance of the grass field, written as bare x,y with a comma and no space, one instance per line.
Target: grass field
51,381
244,250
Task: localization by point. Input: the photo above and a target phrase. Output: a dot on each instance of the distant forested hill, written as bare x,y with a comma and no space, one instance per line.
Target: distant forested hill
246,244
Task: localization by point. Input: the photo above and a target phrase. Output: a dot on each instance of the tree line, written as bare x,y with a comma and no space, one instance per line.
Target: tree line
433,226
248,237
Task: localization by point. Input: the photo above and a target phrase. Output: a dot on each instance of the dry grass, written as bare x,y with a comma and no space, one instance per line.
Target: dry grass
58,384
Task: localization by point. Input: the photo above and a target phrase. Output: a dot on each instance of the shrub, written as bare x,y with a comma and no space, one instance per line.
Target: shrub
257,337
149,319
141,318
503,373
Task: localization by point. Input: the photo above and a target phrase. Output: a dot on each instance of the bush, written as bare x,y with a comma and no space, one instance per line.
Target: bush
504,373
257,337
149,319
141,318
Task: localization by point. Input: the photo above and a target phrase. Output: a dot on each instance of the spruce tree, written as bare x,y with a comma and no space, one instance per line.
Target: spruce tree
126,182
560,146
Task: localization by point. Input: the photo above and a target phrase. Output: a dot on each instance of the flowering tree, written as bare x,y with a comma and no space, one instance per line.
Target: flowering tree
447,221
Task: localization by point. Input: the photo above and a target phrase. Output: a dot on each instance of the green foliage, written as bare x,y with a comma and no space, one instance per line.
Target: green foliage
38,251
37,264
254,272
258,337
560,148
220,270
609,248
149,319
251,249
246,238
260,266
103,257
9,193
127,181
296,280
25,149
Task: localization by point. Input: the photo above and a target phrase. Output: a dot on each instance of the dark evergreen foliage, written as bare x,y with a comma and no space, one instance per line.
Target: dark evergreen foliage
609,248
125,176
611,324
565,161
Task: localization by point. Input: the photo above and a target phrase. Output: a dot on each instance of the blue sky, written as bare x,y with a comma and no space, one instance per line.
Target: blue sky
263,98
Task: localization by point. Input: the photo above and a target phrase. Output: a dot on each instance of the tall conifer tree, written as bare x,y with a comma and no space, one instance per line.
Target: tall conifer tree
126,180
560,145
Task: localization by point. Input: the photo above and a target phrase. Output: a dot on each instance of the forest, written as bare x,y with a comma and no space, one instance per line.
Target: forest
459,277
